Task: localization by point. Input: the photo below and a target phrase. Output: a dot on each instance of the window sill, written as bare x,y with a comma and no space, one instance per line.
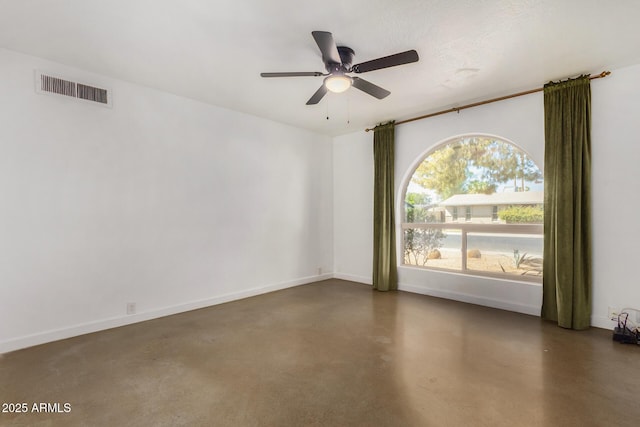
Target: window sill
529,280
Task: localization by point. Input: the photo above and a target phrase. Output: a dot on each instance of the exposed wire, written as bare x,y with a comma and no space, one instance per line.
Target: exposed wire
628,327
635,325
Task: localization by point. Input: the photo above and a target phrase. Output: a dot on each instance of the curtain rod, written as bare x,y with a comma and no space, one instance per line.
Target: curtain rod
489,101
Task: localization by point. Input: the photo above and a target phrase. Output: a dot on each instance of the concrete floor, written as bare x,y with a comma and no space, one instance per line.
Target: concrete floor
333,353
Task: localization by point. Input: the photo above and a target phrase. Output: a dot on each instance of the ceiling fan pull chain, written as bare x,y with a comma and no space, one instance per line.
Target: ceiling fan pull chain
327,104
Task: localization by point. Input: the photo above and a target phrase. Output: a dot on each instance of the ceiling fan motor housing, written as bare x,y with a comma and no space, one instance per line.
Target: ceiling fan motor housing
346,56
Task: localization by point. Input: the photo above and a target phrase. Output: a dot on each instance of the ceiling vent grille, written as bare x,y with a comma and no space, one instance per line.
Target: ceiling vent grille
49,84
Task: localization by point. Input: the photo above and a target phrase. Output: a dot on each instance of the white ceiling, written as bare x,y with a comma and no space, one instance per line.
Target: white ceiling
214,50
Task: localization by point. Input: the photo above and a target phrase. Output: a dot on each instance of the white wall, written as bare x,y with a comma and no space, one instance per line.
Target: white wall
519,120
616,198
353,206
161,200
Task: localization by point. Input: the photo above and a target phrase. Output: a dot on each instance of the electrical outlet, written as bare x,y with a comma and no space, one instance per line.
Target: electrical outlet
131,308
613,313
319,271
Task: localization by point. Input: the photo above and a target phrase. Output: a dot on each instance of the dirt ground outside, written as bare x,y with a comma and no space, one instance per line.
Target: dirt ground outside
488,262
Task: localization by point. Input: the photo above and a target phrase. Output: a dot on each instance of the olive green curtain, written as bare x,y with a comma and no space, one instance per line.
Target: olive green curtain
384,237
566,296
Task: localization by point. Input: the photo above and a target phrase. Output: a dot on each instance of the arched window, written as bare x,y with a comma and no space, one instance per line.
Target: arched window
474,205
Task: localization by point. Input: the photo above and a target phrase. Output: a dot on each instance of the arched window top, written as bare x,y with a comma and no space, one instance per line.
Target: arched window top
477,164
464,202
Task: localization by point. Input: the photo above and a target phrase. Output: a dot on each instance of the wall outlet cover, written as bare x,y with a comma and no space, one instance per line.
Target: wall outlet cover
131,308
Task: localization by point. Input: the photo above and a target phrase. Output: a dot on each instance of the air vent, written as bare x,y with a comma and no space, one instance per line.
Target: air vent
49,84
91,93
56,85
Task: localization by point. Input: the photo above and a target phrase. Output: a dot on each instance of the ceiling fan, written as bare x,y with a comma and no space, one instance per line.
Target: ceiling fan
337,61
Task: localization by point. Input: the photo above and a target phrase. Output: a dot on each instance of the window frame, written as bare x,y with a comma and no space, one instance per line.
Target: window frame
465,227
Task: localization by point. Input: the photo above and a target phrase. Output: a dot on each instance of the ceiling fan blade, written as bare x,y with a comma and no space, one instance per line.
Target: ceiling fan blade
370,88
292,74
320,93
327,46
386,62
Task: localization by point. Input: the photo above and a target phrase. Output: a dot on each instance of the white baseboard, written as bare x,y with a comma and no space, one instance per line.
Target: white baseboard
472,299
353,278
596,321
114,322
602,322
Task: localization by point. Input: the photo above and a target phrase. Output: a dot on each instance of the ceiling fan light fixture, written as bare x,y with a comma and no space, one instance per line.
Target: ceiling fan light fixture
338,83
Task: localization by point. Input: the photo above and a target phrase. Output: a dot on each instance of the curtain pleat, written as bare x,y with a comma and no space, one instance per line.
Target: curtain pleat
384,242
567,204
